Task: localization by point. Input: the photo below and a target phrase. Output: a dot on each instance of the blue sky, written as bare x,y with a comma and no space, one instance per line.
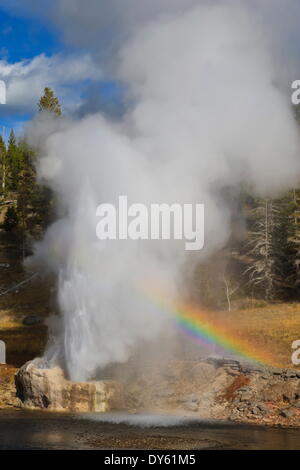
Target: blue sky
24,38
33,56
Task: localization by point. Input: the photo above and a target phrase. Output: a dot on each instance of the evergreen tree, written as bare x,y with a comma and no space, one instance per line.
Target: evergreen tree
294,237
285,248
2,163
49,102
34,201
12,164
34,204
296,112
26,190
11,219
43,197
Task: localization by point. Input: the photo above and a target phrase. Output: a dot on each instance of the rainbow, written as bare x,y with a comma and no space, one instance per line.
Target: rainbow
200,326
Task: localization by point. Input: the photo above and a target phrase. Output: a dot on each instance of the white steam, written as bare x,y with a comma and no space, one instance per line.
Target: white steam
206,115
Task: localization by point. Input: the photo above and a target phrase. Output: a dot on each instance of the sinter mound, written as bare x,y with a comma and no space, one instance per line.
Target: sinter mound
215,388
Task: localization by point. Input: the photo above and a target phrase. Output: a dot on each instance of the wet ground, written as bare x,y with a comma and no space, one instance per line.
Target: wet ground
44,430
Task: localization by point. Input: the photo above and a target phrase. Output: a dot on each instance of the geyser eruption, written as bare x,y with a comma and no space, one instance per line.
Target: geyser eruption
205,113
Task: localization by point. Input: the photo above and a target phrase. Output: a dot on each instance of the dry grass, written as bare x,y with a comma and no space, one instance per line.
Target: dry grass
24,342
271,328
33,298
7,386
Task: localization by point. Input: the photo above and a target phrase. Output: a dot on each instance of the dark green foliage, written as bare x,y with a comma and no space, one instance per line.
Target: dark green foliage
285,248
11,219
11,157
2,164
34,201
42,197
12,164
296,110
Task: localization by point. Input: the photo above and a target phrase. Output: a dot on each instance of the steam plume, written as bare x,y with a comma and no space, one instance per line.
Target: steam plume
206,114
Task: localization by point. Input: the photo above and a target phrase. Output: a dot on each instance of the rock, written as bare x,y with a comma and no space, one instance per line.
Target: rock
170,377
278,389
193,398
32,320
207,398
41,387
263,408
242,408
244,389
236,402
190,402
219,361
260,409
2,352
191,406
248,367
203,372
255,410
232,371
290,374
246,396
164,394
286,398
287,413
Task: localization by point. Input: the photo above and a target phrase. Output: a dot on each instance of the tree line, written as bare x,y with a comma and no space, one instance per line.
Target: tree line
29,204
262,257
270,252
263,262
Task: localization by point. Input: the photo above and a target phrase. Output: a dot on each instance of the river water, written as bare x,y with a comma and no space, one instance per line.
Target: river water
45,430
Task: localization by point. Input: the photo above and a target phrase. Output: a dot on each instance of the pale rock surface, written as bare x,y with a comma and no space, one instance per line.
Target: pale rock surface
41,387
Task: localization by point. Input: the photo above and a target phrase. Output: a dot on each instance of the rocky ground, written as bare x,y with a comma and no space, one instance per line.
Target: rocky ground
215,388
221,390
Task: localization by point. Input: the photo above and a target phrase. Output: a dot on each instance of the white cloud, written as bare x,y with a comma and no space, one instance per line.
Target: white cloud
25,80
106,24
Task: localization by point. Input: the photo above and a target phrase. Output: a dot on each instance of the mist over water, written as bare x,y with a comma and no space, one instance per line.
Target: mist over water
205,113
143,420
